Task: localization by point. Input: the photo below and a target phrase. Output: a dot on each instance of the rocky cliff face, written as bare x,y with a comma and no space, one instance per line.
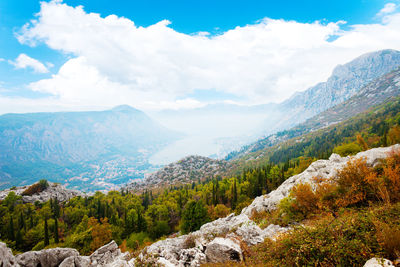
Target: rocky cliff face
345,81
52,191
182,172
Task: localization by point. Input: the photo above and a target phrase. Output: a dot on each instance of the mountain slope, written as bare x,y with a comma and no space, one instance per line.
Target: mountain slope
111,144
187,170
374,93
345,81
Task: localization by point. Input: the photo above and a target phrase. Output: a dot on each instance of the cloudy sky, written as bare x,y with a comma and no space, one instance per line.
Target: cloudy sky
80,55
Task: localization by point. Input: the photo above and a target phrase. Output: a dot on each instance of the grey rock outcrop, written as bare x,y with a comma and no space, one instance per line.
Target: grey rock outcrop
46,257
378,262
107,255
54,190
320,168
6,256
231,230
223,249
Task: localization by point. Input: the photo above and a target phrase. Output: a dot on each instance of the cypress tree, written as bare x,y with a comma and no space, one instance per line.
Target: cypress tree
56,240
56,209
46,233
11,234
18,239
21,222
234,194
31,222
98,209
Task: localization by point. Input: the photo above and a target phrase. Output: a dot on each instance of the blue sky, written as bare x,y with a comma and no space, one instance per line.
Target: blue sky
40,75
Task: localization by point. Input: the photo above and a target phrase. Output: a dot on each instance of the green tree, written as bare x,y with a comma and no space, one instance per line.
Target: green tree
194,215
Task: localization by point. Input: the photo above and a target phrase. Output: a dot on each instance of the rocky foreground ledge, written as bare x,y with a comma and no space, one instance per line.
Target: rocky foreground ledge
54,190
217,241
107,255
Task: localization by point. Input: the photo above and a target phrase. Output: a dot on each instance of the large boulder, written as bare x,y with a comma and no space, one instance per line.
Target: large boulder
46,257
107,255
76,261
6,256
223,249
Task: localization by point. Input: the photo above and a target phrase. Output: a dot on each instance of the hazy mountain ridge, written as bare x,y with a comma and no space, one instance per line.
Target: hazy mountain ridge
345,81
113,144
374,93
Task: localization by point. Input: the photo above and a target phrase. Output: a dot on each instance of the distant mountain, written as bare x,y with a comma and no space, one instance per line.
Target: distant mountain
376,92
186,170
88,150
345,81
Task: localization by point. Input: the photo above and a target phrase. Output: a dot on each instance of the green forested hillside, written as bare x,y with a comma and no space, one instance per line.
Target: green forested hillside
376,127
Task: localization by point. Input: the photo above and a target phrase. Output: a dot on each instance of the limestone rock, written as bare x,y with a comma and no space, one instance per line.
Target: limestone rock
191,257
54,190
272,231
320,168
378,262
6,256
46,257
76,261
105,254
222,250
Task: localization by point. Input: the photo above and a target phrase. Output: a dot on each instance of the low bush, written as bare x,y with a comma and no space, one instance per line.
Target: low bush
36,188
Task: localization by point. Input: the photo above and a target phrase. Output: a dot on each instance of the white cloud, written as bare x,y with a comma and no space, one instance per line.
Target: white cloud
117,62
387,9
24,61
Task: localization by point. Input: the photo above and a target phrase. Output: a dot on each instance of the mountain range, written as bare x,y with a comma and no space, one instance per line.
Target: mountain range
376,92
86,150
104,149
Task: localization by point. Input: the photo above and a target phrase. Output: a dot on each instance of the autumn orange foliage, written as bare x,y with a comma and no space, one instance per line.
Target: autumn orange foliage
101,232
